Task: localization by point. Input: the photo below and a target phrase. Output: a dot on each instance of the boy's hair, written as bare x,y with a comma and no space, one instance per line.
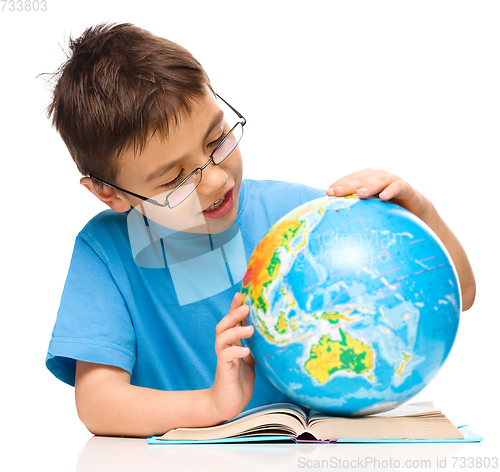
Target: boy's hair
120,84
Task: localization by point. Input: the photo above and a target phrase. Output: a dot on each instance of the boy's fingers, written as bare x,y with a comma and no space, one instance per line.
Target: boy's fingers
236,300
236,314
234,352
359,175
348,187
351,183
232,336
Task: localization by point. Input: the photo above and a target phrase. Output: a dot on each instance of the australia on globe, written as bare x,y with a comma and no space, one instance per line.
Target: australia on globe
355,304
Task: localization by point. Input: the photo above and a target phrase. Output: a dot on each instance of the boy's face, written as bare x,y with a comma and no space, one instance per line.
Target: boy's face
187,147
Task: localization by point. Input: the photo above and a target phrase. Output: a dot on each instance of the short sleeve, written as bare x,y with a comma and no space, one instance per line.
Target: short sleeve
93,323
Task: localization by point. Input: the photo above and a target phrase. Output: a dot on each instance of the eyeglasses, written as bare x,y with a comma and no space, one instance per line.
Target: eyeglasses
189,184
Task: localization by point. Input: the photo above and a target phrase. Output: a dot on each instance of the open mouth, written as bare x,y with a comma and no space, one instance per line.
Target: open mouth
221,206
217,204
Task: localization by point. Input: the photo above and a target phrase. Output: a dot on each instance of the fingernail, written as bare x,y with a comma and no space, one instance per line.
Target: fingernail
243,308
340,188
248,328
244,349
362,190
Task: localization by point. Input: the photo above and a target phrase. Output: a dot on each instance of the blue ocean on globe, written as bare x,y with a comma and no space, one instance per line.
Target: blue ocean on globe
355,304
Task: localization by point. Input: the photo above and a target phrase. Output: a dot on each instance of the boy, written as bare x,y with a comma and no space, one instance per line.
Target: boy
151,280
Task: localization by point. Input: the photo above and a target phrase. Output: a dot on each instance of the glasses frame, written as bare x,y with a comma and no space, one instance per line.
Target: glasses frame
211,159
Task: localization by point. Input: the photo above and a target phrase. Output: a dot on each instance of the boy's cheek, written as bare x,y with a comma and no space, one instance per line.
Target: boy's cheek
181,218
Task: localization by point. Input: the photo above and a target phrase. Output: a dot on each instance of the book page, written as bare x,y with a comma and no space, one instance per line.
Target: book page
278,418
408,421
407,409
400,427
272,407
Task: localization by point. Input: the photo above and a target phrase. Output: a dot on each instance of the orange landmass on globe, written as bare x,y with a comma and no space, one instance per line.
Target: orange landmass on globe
264,263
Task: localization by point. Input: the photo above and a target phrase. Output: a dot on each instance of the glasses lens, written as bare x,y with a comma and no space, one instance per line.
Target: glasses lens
186,189
230,143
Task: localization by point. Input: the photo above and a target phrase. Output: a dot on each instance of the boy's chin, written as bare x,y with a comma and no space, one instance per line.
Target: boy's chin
196,224
212,227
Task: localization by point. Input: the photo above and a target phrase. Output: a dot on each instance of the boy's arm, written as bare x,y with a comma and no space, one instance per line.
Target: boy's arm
369,182
109,405
457,253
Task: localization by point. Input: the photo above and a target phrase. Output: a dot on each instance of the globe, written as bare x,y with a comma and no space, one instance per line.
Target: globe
355,305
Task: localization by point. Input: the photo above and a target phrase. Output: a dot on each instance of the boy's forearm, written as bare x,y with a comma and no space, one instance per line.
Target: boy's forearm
117,408
457,253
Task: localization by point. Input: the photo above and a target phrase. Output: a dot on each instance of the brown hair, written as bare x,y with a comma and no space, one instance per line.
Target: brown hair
120,84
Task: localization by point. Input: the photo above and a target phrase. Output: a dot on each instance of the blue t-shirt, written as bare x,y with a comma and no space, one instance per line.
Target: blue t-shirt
148,302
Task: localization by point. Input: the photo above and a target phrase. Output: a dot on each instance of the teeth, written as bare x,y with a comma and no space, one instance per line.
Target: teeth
217,204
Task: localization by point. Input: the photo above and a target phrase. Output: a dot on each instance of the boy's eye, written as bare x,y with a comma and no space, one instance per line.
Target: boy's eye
176,181
182,176
217,141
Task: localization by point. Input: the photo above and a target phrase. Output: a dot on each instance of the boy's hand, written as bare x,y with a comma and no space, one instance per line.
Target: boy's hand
235,376
368,182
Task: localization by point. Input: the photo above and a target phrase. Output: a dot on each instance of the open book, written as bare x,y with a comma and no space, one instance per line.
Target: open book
417,421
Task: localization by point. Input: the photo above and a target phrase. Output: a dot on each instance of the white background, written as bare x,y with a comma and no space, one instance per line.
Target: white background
328,88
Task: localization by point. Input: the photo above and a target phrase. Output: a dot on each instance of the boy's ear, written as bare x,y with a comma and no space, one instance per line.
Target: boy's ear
106,195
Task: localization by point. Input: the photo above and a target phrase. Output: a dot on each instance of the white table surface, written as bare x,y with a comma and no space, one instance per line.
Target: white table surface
87,453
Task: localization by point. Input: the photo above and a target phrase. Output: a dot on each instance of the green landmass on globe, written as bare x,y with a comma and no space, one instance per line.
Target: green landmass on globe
355,305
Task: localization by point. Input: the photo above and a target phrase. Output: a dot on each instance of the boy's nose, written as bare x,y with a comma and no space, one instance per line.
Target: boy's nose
213,180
